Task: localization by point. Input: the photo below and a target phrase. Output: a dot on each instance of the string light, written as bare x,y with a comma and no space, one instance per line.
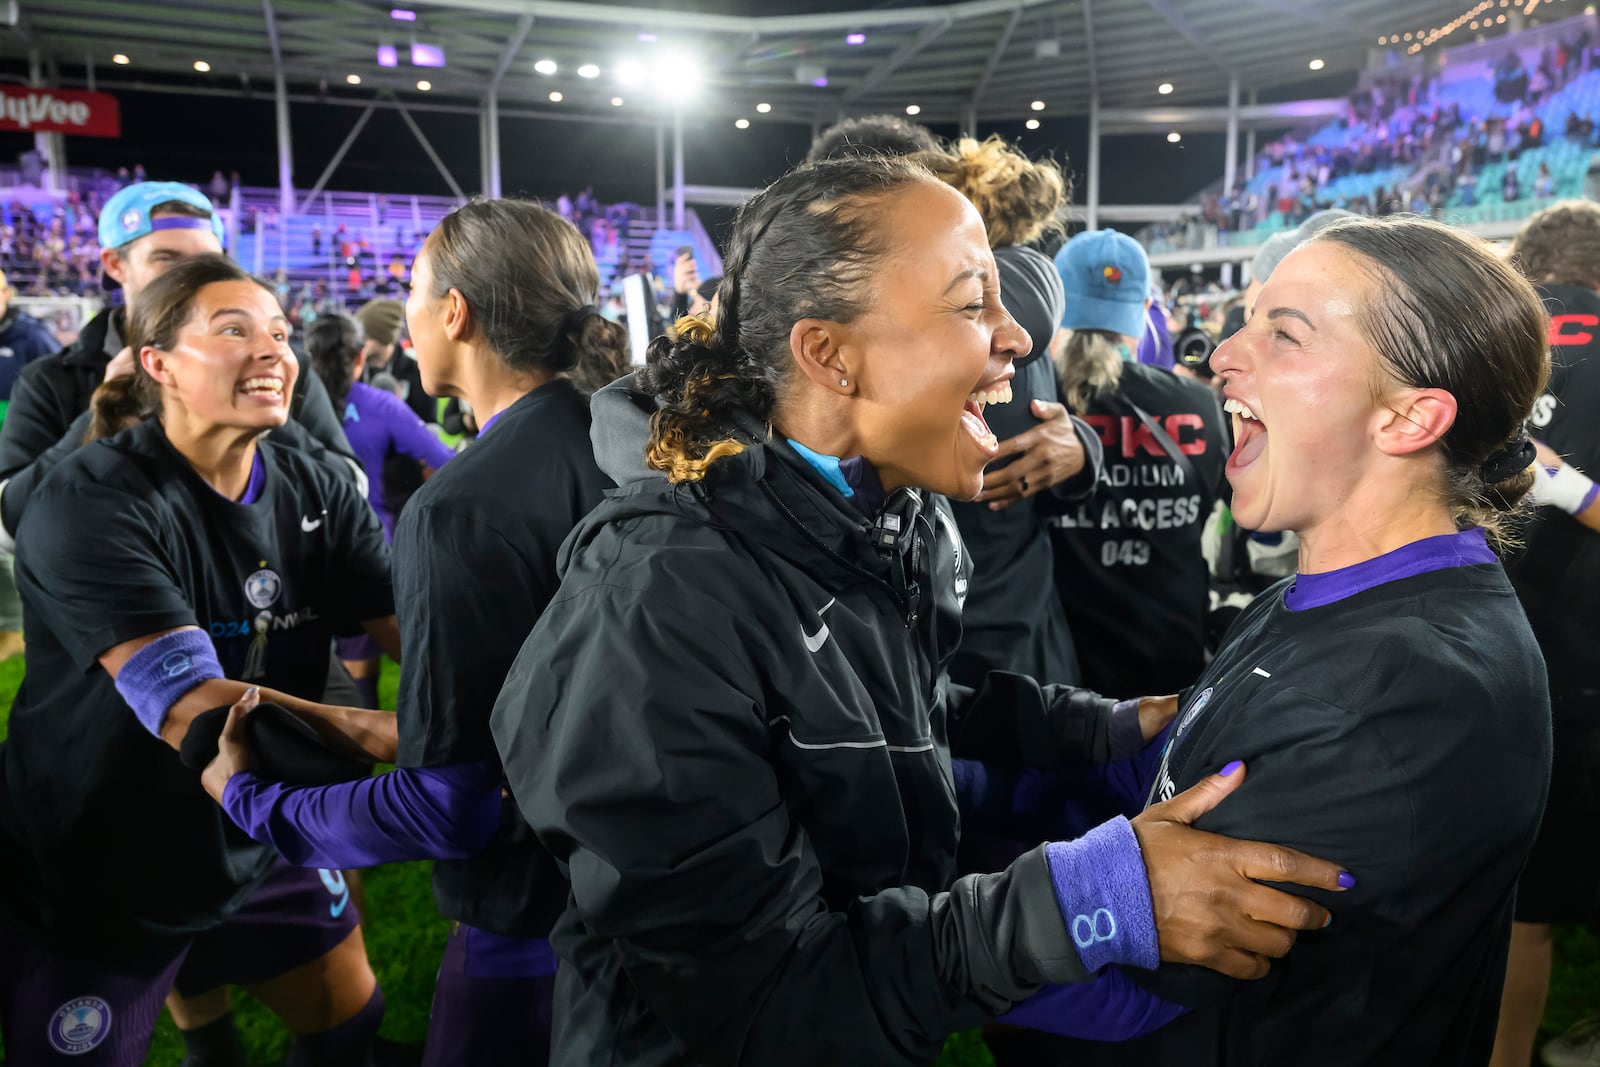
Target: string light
1471,19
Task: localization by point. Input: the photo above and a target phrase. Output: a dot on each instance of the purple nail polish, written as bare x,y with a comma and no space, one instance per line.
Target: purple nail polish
1347,880
1230,768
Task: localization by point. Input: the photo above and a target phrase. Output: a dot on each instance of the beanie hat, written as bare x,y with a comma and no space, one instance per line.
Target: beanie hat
1030,288
1275,248
381,320
1106,276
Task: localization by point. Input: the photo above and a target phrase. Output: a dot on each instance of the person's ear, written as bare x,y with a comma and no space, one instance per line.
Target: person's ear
817,347
154,361
1415,419
111,262
457,316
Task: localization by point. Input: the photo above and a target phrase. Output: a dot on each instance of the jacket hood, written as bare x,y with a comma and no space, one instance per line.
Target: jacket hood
619,430
1031,289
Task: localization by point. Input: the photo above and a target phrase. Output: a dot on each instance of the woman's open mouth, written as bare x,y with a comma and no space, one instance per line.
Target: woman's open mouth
1249,435
263,387
972,415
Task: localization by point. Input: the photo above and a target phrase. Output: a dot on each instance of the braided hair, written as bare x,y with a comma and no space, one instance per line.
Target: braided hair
804,247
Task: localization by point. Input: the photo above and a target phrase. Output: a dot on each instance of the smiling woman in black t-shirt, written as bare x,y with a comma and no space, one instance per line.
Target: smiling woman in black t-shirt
1389,699
165,571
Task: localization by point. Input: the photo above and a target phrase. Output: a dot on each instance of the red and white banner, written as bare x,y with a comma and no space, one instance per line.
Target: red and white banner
70,111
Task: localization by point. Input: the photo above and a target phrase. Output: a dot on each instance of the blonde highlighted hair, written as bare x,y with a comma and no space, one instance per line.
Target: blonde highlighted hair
1019,198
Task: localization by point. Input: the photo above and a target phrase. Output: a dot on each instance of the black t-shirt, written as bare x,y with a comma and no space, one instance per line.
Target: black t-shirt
1557,573
104,835
1128,562
1404,733
475,566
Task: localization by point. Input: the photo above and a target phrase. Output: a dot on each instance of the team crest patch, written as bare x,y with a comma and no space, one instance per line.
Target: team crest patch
80,1026
1112,275
262,588
1195,709
131,219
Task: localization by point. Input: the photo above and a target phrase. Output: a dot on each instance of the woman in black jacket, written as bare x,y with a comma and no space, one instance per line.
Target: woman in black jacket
730,726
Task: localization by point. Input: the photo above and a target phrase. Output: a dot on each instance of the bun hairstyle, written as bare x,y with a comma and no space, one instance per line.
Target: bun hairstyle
333,344
1452,314
873,135
531,283
1020,199
804,247
154,320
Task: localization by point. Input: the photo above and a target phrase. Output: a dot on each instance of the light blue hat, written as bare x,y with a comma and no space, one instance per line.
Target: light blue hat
1106,276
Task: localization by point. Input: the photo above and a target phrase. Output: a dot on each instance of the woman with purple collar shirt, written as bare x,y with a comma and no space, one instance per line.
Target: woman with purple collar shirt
502,314
1389,699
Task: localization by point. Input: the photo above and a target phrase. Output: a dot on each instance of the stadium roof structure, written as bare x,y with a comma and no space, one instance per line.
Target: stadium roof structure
811,61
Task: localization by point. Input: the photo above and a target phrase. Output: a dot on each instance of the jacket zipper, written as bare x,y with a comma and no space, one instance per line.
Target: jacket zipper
907,609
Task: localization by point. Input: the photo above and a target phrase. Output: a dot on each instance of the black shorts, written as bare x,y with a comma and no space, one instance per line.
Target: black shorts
1561,883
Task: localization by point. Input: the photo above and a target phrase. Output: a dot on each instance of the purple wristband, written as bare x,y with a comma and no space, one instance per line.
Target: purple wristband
1104,897
1589,498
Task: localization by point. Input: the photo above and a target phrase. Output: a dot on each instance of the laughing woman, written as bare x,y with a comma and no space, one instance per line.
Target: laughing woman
1389,698
167,571
730,726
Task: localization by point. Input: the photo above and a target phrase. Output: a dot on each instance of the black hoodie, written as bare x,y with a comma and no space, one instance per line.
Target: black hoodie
732,730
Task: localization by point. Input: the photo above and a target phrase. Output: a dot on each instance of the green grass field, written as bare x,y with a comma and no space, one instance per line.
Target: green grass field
405,939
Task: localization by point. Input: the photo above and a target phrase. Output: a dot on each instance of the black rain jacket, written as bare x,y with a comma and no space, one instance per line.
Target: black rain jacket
732,729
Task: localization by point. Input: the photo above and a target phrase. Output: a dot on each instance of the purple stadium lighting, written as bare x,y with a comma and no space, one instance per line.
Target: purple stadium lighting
400,14
387,56
820,83
855,38
426,55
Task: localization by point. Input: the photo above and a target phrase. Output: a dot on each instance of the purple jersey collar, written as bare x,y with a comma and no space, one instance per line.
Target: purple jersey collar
258,479
1462,549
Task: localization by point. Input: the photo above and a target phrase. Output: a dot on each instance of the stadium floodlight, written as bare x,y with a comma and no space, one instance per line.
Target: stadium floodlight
741,124
120,60
1037,105
202,66
676,77
556,98
400,14
588,70
648,38
1033,124
855,39
1317,64
913,109
616,101
545,66
1174,137
387,56
630,73
1165,88
763,107
352,79
424,85
426,55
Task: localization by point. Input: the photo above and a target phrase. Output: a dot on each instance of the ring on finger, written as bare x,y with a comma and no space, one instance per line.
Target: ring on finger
1024,483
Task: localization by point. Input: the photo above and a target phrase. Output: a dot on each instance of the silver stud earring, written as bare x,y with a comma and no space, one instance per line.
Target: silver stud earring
844,381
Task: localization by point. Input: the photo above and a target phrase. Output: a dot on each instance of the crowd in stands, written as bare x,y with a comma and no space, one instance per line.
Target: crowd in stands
1407,144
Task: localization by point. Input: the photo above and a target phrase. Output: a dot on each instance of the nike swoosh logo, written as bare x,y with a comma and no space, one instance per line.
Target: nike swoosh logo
308,526
815,641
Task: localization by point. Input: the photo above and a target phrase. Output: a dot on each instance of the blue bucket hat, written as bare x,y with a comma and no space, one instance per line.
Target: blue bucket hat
1106,276
126,216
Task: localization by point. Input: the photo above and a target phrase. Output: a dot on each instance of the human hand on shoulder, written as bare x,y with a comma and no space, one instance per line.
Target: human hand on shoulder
1210,907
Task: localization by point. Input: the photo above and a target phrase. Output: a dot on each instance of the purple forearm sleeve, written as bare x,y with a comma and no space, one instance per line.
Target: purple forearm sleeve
1104,896
413,437
411,813
1110,1008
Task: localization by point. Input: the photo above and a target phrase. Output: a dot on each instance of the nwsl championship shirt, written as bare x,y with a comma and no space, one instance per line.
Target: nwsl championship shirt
1394,720
104,835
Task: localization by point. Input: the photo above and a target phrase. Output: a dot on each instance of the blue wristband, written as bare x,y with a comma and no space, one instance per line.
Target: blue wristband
159,674
1104,896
